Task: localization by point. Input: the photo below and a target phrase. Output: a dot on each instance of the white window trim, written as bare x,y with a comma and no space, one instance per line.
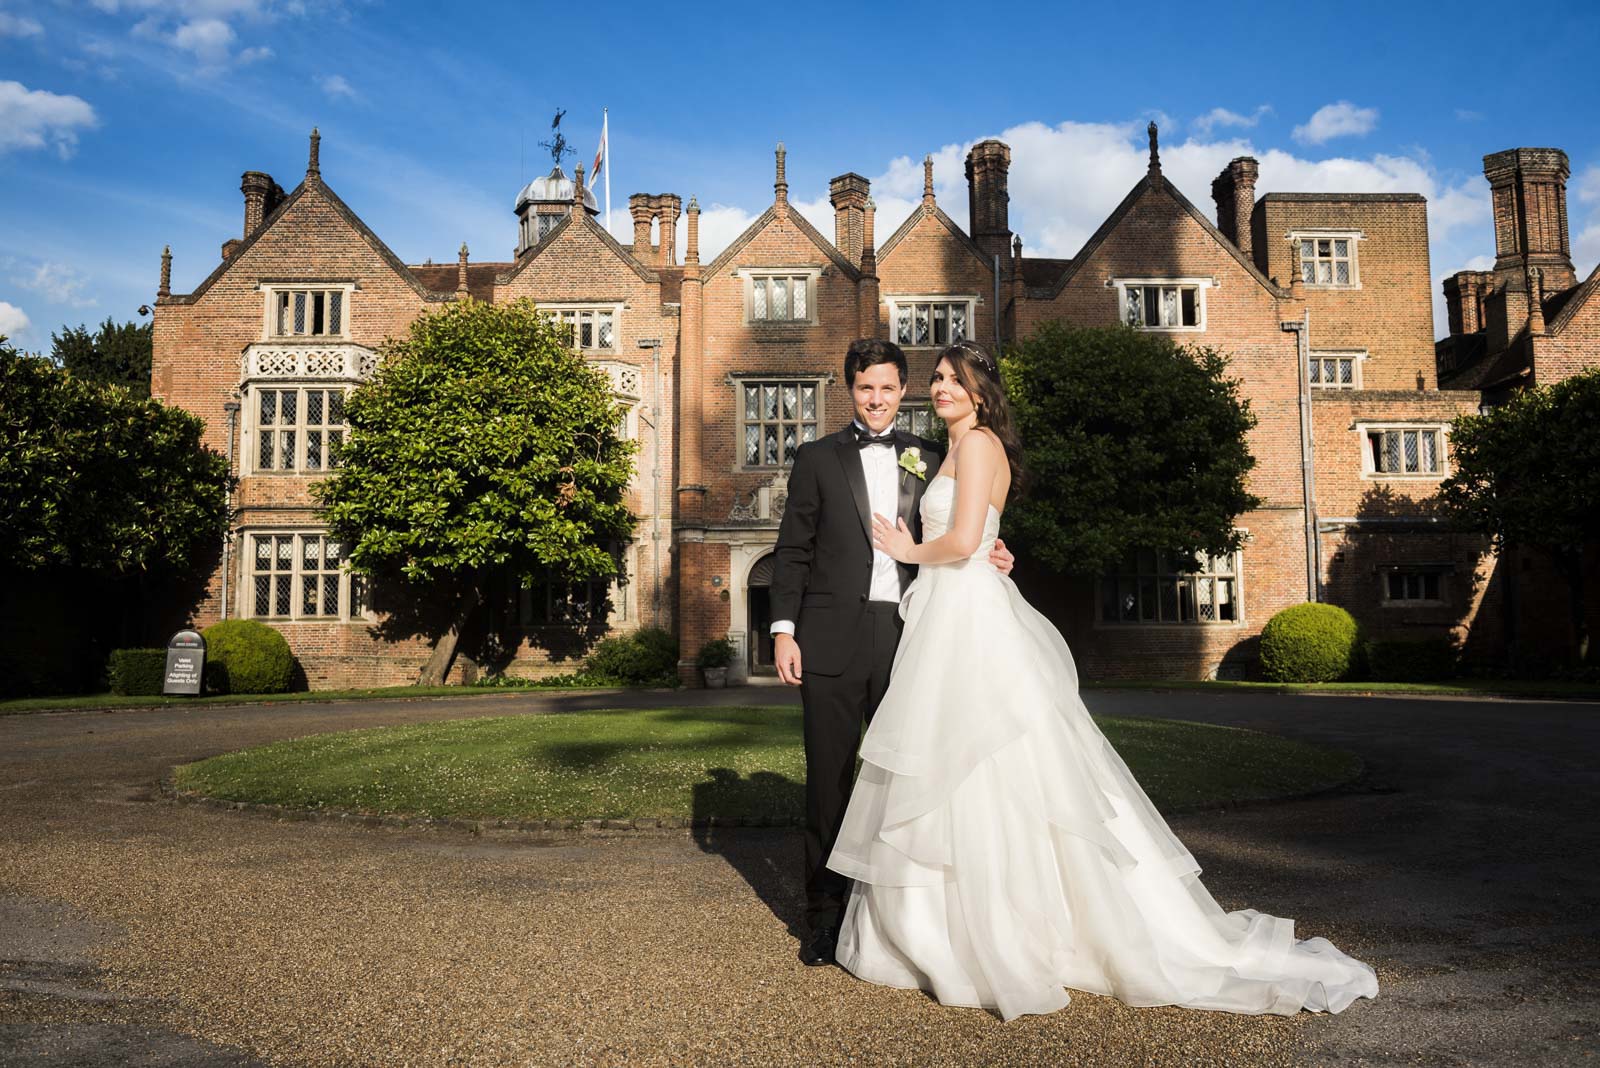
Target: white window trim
249,428
811,273
615,308
1201,284
244,604
1371,475
270,291
920,404
971,300
1355,237
1357,356
1100,623
627,384
739,379
1444,571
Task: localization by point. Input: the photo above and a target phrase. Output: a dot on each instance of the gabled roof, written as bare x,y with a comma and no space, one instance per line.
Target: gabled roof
917,213
621,250
1159,183
347,215
800,223
1566,305
1042,271
443,277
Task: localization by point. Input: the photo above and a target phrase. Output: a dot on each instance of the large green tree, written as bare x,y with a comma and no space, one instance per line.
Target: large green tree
1528,474
1131,442
483,446
94,477
114,354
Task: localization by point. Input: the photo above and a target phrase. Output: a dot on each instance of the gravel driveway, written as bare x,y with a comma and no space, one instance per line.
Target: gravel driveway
138,932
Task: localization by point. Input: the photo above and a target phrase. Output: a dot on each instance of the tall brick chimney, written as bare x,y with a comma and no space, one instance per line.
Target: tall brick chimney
1234,190
988,166
849,194
668,206
642,210
257,189
1464,294
1528,190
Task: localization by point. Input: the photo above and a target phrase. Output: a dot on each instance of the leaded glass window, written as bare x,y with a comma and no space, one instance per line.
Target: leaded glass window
780,298
1163,587
1327,261
1333,370
1414,585
776,419
590,329
1404,451
299,429
932,323
298,576
915,419
1162,307
307,312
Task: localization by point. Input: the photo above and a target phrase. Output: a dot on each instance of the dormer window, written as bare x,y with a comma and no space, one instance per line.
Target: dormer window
311,312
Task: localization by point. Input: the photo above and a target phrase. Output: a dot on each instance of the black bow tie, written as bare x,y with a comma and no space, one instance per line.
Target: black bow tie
865,437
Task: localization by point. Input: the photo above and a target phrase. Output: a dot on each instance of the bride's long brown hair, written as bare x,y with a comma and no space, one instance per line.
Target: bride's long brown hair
979,375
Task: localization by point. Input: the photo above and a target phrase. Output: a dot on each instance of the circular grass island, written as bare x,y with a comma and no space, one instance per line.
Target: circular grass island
726,764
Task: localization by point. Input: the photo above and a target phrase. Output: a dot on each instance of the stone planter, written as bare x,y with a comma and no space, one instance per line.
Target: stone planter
716,678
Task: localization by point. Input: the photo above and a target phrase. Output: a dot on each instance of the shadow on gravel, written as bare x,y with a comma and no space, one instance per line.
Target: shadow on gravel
769,862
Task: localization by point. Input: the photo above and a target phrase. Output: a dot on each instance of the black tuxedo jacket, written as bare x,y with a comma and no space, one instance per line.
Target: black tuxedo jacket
823,571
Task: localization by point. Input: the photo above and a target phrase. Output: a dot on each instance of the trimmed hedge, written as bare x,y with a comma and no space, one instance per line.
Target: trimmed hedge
137,672
1309,643
1410,659
647,657
246,656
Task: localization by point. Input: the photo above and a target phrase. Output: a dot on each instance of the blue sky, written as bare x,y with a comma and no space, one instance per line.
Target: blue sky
125,124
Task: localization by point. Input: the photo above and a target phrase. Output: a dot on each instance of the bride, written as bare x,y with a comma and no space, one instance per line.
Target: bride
1001,850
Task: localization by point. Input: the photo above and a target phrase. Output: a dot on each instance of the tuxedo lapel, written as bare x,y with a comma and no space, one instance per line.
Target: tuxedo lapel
910,493
850,461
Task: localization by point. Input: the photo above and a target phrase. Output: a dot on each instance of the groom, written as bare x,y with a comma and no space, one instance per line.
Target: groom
835,600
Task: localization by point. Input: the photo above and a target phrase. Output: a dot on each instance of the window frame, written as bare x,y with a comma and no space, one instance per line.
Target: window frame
749,276
269,309
1200,285
899,300
741,380
578,309
251,429
1369,469
1355,237
614,591
1441,572
1357,357
911,409
1159,575
354,605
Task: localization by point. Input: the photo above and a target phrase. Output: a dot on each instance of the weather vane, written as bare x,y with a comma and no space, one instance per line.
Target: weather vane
557,143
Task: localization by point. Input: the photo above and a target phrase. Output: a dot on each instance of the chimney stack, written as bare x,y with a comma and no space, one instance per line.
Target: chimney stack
1464,294
257,189
849,194
667,207
640,208
1234,190
988,167
1528,190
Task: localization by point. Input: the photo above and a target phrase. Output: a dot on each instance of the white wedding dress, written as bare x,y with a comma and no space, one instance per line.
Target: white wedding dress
1001,849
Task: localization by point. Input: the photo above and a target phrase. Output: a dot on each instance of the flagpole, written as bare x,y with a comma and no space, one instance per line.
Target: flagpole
605,136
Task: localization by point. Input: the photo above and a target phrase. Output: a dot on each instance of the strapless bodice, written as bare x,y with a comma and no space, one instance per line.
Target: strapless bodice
939,509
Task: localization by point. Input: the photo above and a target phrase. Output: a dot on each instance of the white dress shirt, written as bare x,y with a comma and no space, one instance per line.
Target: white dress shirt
881,464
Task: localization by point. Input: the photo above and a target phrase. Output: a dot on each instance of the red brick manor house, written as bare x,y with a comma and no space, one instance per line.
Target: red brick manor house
727,364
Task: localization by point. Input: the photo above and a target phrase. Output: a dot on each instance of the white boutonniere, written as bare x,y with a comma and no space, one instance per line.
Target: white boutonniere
912,461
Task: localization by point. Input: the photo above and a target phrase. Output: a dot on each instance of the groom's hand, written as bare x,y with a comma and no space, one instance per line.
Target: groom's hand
1001,558
786,654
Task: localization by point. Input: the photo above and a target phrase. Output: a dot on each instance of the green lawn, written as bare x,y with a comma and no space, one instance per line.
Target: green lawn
681,763
111,700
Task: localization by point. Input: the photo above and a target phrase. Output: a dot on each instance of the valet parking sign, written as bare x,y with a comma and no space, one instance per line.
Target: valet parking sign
186,663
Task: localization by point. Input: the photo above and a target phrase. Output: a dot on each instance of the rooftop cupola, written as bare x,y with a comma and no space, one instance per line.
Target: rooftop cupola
543,203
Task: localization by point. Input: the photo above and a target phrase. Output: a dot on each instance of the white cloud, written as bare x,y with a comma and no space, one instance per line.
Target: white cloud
1588,184
335,86
1343,119
1586,249
204,29
34,118
1206,123
58,283
18,26
13,320
208,40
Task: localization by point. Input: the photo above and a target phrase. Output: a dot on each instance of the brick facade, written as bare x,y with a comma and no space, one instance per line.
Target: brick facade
709,516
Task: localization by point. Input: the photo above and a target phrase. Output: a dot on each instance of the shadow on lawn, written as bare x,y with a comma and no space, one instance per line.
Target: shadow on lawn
769,861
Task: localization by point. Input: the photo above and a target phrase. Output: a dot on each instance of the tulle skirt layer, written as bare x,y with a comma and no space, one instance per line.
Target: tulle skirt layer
1003,852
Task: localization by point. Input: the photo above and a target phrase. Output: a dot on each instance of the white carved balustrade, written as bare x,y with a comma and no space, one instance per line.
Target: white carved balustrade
279,362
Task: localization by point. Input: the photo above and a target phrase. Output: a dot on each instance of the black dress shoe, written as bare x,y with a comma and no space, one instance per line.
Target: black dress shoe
820,948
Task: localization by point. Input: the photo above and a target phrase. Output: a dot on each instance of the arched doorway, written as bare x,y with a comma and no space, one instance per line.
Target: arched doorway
758,597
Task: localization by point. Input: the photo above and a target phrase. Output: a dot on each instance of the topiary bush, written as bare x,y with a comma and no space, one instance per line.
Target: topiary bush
646,657
245,656
1410,660
1309,643
137,672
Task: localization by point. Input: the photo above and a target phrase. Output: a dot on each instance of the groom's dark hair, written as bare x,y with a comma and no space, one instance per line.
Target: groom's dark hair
869,352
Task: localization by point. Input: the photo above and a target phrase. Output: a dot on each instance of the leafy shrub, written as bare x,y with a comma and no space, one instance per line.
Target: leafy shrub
1309,643
136,672
1410,660
246,656
716,653
647,657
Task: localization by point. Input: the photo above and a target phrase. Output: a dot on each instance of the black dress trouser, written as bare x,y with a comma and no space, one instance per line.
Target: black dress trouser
837,707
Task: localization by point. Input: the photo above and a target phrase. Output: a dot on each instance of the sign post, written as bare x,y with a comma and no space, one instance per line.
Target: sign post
186,663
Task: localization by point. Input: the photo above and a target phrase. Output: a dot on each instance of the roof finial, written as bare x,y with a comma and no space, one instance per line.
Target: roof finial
1535,303
927,182
314,164
1155,151
691,243
780,185
461,271
577,189
165,289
